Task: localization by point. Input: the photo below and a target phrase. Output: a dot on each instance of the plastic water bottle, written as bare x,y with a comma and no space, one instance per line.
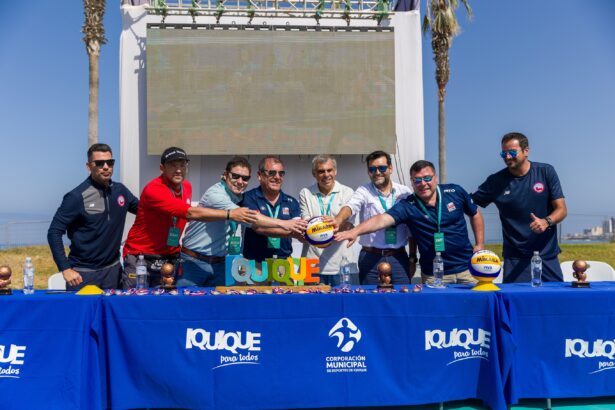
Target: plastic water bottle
344,272
438,271
536,270
28,277
141,268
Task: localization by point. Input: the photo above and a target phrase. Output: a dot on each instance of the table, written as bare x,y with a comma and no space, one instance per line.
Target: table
563,338
49,352
309,350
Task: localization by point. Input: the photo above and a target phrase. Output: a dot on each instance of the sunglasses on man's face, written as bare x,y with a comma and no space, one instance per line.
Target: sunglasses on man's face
244,178
426,178
511,152
272,172
381,168
101,162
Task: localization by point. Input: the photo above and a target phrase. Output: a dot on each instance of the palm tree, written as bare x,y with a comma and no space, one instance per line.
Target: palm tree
94,36
441,21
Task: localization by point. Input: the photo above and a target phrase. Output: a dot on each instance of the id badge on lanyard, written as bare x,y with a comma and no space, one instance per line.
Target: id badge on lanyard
174,234
234,243
438,241
390,233
273,243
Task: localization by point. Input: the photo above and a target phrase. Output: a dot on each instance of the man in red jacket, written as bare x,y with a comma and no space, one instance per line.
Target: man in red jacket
164,208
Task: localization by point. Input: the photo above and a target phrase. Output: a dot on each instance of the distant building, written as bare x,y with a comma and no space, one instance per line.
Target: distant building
607,225
596,231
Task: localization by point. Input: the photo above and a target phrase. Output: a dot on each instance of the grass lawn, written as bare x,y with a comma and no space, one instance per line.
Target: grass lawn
45,267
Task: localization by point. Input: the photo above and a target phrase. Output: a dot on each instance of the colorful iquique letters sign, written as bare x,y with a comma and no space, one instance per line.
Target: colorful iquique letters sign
289,271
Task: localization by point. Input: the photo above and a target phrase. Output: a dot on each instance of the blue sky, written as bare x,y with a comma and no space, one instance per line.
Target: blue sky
545,68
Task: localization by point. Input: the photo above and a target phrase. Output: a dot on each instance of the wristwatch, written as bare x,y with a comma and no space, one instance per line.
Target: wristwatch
413,258
549,222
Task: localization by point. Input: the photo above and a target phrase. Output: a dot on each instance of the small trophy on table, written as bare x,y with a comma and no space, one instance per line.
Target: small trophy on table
385,281
579,267
5,280
167,281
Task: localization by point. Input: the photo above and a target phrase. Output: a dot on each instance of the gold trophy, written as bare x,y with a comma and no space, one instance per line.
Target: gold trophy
167,281
5,280
579,274
385,281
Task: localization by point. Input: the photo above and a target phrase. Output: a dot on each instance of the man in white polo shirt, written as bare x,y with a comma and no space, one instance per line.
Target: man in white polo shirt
325,198
387,245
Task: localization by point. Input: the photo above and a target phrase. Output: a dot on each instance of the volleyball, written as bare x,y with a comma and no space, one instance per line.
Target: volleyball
319,233
485,264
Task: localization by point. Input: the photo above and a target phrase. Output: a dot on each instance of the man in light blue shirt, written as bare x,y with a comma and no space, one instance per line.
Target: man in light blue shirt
206,244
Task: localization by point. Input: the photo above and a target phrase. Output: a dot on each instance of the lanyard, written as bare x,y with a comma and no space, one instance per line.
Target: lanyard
277,210
232,224
181,196
324,212
383,202
438,200
181,191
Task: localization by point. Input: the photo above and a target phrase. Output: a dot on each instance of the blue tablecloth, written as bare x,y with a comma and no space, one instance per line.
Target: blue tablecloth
49,352
564,340
283,351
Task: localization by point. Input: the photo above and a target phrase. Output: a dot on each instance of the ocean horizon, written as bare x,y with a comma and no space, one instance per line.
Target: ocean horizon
30,228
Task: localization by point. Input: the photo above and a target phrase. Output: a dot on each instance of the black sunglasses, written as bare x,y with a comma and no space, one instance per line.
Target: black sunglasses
272,172
101,162
244,178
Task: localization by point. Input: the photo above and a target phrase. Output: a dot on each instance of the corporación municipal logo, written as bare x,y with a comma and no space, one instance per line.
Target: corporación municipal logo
600,352
234,347
346,335
464,344
11,359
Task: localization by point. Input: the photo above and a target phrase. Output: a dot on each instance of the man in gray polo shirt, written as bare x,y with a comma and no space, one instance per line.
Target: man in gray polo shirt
206,244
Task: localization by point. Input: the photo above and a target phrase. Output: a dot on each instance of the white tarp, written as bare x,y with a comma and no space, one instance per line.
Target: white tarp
137,168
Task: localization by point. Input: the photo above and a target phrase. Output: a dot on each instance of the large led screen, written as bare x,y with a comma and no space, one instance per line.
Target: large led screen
220,90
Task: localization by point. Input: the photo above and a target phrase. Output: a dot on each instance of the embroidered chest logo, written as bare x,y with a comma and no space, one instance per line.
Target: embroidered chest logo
121,200
538,187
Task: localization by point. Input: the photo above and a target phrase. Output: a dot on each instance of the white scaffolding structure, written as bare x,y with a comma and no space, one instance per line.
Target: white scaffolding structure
345,9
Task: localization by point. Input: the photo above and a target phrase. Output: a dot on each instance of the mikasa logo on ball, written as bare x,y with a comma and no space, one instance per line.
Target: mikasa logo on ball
319,232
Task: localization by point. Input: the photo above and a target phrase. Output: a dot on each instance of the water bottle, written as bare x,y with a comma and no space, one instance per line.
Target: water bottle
28,277
344,272
536,270
438,271
141,268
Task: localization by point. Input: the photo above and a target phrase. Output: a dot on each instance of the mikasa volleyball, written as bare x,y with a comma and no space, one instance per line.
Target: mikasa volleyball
319,233
484,264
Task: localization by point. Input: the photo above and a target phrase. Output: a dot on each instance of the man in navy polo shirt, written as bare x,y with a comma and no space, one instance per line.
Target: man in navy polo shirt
93,216
531,202
268,199
435,216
